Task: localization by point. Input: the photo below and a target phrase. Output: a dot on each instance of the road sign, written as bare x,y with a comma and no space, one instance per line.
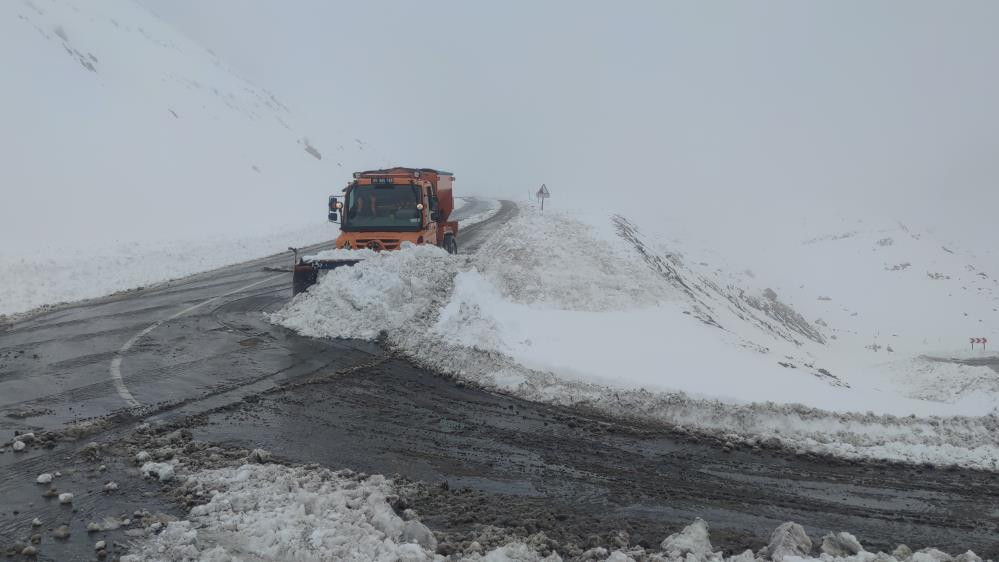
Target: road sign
543,194
982,341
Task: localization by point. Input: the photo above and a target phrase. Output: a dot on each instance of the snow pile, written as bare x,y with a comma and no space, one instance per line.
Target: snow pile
564,311
386,292
278,513
137,156
308,513
275,512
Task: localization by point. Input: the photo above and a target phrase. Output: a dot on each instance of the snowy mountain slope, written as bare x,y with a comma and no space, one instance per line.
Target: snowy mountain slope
588,310
887,299
122,137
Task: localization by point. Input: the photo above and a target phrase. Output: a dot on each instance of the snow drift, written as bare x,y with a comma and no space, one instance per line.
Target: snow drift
595,313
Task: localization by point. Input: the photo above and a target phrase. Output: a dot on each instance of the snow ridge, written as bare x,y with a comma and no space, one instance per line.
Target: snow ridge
535,312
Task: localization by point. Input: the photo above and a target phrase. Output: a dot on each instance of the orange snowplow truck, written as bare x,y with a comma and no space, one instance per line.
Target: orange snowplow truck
381,209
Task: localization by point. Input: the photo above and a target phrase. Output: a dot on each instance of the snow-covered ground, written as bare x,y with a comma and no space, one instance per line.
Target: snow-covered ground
308,513
492,208
65,275
588,309
133,155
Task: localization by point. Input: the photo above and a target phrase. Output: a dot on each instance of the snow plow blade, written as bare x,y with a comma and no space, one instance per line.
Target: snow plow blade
306,273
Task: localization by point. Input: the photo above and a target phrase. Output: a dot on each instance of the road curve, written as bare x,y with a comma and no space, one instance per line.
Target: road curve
213,365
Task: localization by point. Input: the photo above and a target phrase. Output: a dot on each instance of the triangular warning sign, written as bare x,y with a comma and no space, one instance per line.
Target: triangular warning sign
543,192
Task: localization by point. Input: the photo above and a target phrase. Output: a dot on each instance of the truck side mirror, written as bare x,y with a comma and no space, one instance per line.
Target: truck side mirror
334,207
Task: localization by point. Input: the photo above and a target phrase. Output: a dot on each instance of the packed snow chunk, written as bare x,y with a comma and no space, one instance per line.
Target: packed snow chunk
841,544
178,541
65,498
259,456
18,446
45,478
693,539
416,532
746,556
930,555
289,513
515,552
382,293
789,539
141,457
164,472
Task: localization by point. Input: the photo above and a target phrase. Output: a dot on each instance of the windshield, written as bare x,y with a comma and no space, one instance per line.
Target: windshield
382,207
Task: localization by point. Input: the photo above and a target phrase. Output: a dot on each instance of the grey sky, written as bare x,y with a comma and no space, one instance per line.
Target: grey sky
799,103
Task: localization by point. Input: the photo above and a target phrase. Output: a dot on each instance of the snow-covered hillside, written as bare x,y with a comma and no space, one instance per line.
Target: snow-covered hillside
123,137
592,310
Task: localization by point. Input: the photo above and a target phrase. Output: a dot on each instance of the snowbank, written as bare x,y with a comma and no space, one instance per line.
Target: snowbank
275,512
307,513
592,312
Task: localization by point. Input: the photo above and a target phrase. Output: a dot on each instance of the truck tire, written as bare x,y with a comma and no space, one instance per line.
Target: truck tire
450,244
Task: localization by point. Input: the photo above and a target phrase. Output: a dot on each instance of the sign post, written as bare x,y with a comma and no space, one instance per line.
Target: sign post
543,194
982,341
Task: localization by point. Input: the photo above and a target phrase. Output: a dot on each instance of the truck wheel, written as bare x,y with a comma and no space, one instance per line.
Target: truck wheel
450,244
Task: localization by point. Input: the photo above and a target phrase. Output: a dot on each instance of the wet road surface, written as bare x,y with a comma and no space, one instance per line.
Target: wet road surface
222,372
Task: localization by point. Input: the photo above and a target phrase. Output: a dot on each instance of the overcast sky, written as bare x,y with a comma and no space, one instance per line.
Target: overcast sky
881,105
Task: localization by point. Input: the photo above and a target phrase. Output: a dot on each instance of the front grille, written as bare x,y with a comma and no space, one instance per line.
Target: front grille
381,243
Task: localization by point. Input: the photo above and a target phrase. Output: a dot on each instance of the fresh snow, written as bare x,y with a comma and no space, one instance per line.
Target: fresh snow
590,310
494,207
67,274
137,156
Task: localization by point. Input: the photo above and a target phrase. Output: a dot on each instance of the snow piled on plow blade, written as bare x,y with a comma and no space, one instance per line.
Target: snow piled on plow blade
591,313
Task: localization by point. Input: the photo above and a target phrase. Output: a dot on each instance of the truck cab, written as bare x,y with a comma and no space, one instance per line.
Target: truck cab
382,209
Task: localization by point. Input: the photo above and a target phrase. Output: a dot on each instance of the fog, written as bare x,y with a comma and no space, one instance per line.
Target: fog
720,108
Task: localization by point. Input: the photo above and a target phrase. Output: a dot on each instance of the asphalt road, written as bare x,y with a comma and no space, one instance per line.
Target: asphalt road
197,354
